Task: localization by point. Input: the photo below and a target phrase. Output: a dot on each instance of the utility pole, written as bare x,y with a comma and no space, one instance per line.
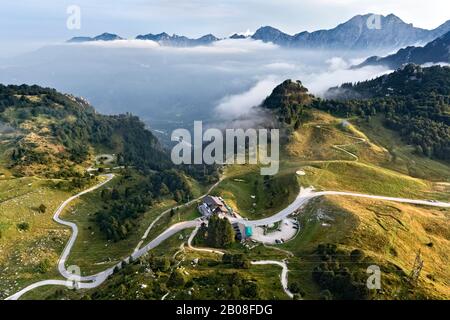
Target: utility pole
417,268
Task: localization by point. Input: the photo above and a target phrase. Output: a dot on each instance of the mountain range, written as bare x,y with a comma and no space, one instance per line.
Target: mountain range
362,32
178,41
435,51
102,37
163,39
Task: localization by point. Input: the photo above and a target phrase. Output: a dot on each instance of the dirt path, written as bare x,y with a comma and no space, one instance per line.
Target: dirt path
283,276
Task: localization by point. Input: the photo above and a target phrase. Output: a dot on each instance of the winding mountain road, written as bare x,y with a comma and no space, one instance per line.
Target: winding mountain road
88,282
307,194
92,281
144,237
73,226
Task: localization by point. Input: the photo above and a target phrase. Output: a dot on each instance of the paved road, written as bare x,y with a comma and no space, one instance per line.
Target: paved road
73,226
93,281
403,200
285,231
62,260
307,194
284,273
144,237
33,286
165,235
304,196
192,236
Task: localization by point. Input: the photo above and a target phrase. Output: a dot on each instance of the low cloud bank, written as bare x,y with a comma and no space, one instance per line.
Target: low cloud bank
134,44
338,71
173,86
237,105
222,46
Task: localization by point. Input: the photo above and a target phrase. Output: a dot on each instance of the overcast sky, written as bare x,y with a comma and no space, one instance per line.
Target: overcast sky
27,24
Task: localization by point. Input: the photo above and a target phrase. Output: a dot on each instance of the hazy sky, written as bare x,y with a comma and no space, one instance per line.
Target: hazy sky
227,78
168,86
28,24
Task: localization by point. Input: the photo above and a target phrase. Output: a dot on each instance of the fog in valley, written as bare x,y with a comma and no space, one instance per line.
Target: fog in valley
169,87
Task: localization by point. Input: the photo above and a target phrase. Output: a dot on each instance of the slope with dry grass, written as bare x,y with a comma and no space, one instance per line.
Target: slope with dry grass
391,235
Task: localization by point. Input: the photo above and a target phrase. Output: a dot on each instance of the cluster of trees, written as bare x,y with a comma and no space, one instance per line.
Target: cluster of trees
430,138
160,275
128,280
275,189
130,198
161,264
43,266
239,260
141,148
177,279
340,276
76,126
79,181
219,234
412,80
296,290
171,182
291,100
73,134
116,219
9,97
207,174
26,156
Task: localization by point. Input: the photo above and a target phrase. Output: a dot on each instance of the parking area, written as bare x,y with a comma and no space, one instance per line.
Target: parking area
276,234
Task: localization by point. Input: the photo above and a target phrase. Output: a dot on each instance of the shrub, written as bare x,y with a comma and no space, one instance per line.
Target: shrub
23,226
43,266
357,255
177,279
42,208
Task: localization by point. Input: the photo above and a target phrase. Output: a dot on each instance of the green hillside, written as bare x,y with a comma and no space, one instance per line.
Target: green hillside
388,137
412,101
54,146
54,135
